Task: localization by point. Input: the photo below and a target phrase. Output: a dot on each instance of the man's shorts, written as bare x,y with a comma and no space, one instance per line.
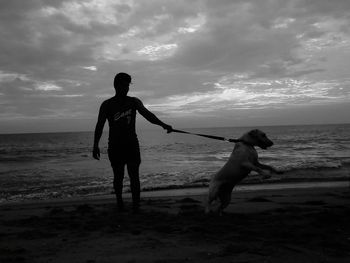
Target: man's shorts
124,152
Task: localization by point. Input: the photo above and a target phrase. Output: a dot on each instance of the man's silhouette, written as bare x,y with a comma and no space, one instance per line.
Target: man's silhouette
123,145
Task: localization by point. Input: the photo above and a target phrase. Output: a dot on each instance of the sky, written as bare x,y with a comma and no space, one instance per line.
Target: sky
194,63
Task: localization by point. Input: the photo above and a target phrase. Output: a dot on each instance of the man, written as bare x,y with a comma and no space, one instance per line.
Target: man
123,145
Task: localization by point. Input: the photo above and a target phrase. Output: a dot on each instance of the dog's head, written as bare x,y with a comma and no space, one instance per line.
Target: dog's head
257,138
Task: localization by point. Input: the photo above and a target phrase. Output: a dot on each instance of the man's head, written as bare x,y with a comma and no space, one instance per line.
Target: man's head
121,84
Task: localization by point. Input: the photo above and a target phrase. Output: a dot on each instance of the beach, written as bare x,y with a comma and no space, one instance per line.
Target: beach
304,224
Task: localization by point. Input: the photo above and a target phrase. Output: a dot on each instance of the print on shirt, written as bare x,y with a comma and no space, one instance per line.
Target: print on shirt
126,114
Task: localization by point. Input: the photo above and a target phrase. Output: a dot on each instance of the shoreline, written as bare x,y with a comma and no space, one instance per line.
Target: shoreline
181,192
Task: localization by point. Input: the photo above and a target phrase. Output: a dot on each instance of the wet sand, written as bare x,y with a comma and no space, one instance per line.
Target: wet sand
274,225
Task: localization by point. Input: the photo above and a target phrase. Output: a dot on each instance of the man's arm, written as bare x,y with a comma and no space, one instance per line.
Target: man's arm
150,116
98,132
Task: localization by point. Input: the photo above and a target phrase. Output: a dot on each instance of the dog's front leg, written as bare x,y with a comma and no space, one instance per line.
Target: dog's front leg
250,166
268,167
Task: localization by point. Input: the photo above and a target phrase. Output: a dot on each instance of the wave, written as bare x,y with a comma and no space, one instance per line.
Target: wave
248,182
310,174
46,190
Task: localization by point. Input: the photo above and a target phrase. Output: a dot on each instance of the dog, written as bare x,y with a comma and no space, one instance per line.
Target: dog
243,160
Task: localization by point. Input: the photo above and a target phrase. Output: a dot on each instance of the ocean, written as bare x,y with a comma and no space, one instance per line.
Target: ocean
45,166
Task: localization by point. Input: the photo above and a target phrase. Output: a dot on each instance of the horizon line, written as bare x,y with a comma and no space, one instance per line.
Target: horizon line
204,127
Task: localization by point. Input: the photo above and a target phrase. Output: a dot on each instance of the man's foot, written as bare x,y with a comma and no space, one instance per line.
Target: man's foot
120,206
135,208
120,202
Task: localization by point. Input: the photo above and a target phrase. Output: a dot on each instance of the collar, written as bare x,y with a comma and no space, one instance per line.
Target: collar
247,143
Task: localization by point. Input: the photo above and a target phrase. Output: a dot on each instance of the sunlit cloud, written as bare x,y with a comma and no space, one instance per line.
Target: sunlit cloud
283,23
8,77
193,24
92,68
48,87
255,95
47,95
85,12
157,51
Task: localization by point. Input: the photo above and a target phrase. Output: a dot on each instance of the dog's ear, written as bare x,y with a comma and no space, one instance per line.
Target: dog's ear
253,133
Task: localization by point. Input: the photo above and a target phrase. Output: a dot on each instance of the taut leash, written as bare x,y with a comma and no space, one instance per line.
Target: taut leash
208,136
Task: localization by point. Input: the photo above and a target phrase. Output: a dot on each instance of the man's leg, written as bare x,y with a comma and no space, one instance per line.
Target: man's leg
118,171
133,171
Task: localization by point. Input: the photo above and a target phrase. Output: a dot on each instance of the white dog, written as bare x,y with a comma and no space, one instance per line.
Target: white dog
243,160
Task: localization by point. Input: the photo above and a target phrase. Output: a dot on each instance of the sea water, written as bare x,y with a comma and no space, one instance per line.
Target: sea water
45,166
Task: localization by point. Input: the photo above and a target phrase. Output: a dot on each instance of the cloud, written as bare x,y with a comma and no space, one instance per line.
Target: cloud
186,57
92,68
48,87
157,52
231,94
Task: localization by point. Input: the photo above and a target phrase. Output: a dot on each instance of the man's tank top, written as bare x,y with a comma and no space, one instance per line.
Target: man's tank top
121,115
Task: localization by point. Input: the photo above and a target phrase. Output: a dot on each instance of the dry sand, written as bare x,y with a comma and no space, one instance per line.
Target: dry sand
288,225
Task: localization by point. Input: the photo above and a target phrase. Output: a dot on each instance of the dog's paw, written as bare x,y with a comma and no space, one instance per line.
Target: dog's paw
266,176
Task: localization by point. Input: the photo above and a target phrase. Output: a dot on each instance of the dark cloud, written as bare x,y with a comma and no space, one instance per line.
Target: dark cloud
35,45
238,37
334,8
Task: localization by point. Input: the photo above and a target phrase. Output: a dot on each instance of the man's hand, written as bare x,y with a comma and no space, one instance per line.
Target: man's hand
168,128
96,153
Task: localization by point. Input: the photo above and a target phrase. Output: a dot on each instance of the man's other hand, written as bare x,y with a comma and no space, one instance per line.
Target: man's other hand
96,153
168,128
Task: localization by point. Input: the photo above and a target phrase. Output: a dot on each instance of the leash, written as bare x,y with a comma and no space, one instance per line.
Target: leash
208,136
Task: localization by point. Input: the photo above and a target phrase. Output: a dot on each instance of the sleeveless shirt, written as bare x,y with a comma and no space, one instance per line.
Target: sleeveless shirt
121,116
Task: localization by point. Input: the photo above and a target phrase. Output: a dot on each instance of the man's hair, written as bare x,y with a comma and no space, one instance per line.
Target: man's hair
121,77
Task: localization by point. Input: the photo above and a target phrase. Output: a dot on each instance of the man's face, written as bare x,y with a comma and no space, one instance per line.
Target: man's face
122,88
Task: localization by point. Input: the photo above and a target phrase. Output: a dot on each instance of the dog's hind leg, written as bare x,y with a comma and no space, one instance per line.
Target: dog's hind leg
225,198
213,202
213,206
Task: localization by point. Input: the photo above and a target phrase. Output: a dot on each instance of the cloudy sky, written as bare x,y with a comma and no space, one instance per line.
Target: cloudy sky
194,63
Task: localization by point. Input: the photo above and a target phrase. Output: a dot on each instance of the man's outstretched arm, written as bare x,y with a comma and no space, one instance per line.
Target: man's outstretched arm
151,117
98,132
